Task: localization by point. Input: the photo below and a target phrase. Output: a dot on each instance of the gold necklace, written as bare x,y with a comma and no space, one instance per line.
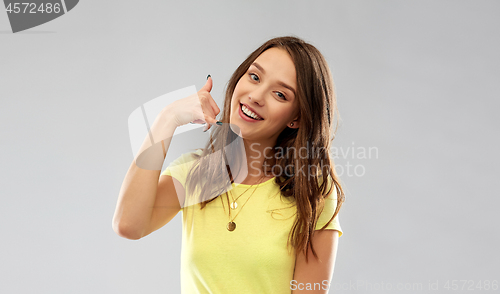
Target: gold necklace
233,204
231,225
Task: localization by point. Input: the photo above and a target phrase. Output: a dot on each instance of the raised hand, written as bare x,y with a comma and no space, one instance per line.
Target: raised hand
200,108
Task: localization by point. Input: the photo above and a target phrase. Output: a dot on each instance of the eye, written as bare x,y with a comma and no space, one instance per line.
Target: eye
254,77
281,95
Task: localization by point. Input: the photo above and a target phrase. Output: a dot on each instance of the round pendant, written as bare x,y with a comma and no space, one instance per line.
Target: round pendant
234,205
231,226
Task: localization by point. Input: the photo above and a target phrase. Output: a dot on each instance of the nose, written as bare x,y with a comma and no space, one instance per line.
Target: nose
257,96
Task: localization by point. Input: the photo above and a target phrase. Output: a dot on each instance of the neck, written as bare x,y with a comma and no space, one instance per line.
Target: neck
255,153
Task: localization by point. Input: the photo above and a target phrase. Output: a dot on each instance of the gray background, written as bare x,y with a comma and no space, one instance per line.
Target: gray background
418,80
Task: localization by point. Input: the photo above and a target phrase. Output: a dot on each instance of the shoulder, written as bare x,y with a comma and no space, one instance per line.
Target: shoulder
182,163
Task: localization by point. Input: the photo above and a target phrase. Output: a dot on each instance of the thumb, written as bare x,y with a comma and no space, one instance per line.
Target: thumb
208,85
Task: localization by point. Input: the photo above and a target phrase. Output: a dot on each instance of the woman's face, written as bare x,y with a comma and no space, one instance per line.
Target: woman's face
266,91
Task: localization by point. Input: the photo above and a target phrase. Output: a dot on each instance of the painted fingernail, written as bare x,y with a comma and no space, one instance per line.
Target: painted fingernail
219,123
208,76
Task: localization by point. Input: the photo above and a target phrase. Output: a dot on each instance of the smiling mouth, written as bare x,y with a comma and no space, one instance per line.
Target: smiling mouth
249,113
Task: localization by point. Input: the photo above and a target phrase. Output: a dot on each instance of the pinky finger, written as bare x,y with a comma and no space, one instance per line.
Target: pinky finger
211,120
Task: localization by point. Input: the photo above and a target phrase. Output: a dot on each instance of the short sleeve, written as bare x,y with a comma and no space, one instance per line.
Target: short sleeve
328,211
179,168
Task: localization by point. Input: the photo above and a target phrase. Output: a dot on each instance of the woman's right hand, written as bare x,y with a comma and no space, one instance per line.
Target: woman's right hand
198,108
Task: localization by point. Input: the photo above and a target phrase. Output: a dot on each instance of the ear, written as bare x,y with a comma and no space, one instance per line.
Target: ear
295,122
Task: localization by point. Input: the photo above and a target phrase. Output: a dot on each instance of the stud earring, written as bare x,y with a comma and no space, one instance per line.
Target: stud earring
291,124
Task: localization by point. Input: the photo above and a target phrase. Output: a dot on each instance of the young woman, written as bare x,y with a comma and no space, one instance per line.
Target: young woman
263,195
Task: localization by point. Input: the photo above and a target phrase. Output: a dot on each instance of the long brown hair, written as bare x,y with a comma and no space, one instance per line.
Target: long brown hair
317,127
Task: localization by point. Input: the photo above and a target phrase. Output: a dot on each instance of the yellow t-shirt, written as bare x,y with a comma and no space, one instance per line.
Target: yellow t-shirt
254,258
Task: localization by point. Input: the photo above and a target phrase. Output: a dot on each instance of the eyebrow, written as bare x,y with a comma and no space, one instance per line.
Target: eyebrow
279,82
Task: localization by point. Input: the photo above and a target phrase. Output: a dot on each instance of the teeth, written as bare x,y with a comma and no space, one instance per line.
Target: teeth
249,112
